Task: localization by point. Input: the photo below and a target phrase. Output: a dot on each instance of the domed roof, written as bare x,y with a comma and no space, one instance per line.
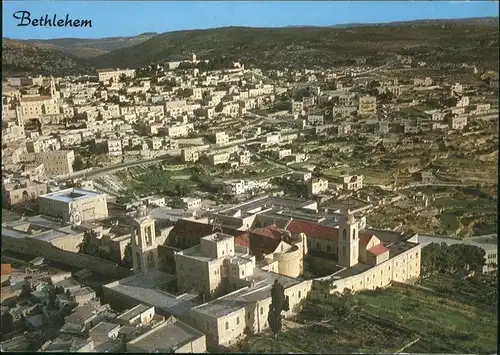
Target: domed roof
350,218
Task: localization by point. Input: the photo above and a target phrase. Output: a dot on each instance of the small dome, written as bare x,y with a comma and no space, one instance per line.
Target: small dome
350,218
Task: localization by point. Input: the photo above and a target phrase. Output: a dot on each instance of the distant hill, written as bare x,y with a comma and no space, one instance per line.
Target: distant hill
19,58
471,40
474,41
482,21
88,48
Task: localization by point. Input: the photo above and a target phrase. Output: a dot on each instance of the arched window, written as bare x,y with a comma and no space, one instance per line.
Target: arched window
329,248
344,234
227,325
136,232
261,310
353,233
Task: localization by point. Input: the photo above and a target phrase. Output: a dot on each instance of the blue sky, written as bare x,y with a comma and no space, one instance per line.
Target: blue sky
129,18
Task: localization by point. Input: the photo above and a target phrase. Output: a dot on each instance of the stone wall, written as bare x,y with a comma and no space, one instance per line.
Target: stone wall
36,247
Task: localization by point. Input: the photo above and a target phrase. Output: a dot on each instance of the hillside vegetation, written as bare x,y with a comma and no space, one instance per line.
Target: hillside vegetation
20,58
472,41
88,48
317,46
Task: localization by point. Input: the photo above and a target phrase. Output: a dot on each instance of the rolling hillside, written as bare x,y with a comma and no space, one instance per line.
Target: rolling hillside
23,59
309,46
474,41
88,48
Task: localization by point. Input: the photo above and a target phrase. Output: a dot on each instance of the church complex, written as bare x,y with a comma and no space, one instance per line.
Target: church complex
224,270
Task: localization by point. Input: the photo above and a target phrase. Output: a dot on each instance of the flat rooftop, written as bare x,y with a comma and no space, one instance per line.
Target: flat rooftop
239,299
146,289
399,247
104,327
351,271
196,253
388,236
265,203
69,195
166,337
134,312
38,227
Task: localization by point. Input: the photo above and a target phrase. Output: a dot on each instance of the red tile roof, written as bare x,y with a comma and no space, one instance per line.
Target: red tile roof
258,244
318,231
6,269
313,230
378,250
271,231
364,239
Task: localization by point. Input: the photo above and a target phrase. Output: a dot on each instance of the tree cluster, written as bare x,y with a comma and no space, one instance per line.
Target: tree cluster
452,259
90,245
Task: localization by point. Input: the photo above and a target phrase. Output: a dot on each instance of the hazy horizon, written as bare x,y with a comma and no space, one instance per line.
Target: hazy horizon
354,24
134,18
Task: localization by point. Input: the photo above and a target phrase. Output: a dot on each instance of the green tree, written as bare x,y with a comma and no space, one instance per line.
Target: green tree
89,243
127,256
7,323
25,290
78,164
279,303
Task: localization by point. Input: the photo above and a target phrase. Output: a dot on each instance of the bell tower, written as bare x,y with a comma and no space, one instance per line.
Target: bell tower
143,242
348,241
54,94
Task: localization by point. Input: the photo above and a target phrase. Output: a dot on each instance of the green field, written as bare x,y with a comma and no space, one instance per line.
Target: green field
456,317
473,211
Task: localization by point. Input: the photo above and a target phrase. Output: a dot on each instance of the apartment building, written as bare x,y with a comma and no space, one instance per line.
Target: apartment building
76,205
114,75
347,100
456,89
235,188
38,106
315,120
191,203
297,107
351,182
427,81
317,186
14,194
458,122
190,155
178,131
58,162
219,158
114,147
221,138
463,101
367,106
